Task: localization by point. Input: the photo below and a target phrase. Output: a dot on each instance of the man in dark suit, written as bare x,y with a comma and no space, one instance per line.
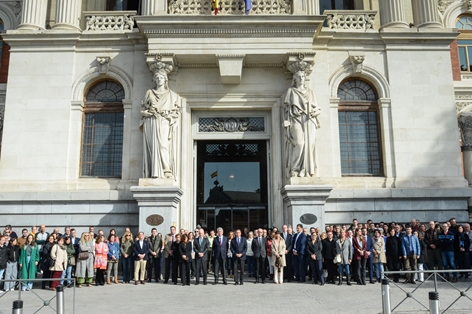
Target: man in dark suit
259,247
201,246
369,251
238,248
287,236
220,252
298,249
141,255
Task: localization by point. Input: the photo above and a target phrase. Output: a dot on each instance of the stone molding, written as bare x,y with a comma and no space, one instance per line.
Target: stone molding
465,124
98,21
212,32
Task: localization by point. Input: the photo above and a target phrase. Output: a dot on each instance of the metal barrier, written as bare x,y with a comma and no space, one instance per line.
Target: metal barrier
433,296
46,303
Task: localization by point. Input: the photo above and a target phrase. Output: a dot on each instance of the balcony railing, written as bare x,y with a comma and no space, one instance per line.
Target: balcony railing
351,20
230,7
109,20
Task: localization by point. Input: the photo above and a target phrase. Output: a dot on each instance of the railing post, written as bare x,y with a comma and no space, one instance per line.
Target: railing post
433,302
17,307
385,297
60,299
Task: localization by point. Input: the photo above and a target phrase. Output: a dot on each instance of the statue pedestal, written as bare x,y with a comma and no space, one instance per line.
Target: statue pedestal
305,203
158,204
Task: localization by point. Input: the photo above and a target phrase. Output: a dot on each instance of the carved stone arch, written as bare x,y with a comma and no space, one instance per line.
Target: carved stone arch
369,74
452,12
10,20
91,75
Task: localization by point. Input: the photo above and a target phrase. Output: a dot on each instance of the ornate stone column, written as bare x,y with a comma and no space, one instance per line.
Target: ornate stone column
425,13
33,16
148,7
392,14
68,14
465,124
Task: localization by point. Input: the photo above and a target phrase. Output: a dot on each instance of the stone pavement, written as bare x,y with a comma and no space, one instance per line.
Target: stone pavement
255,298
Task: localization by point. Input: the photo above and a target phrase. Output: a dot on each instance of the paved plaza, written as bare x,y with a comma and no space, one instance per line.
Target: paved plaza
255,298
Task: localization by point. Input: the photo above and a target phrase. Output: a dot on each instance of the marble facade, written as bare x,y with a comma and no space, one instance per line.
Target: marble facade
236,66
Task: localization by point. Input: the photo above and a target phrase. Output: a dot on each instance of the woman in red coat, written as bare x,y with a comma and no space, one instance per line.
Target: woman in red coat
360,255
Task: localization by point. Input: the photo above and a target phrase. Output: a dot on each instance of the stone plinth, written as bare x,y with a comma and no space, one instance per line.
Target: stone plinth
305,204
158,206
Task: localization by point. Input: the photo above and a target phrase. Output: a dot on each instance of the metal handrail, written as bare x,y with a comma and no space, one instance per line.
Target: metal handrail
45,302
433,273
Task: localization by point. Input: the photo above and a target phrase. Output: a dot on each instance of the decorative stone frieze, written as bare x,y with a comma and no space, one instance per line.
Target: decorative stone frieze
197,7
103,64
231,124
351,20
357,60
109,21
444,4
465,124
15,6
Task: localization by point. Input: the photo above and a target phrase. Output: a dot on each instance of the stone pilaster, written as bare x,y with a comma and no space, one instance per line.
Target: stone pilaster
68,14
392,13
465,124
425,13
33,16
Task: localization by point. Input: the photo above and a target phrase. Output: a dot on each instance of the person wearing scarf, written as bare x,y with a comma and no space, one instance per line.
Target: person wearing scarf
59,255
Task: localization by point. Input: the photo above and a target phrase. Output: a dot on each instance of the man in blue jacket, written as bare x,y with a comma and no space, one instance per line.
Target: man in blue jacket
411,252
298,248
446,245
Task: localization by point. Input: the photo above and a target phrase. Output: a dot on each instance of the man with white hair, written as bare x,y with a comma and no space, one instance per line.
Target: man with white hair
220,251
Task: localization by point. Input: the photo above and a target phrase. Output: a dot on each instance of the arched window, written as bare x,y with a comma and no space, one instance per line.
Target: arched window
464,42
336,5
102,142
2,28
359,132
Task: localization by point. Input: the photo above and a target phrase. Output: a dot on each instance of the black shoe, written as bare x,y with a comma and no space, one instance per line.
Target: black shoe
166,281
413,282
235,284
175,283
322,284
225,283
257,281
214,283
240,283
204,283
196,284
348,283
263,281
372,281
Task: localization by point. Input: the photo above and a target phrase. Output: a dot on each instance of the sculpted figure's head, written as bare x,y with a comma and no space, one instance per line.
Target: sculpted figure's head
160,79
299,79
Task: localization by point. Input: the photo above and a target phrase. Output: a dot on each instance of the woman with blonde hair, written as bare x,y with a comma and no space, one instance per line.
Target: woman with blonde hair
126,249
101,258
278,258
84,266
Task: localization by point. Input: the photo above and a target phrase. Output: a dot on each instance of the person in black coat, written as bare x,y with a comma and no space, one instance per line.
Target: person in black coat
259,247
461,249
238,248
314,250
175,247
329,252
287,236
201,245
393,247
185,261
45,257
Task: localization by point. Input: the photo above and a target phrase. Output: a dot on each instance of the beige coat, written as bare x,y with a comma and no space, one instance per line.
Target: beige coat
379,251
59,255
278,249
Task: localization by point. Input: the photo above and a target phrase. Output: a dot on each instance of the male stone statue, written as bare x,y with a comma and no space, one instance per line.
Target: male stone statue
300,124
160,113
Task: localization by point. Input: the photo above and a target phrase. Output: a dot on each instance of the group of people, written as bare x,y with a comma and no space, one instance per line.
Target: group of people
264,254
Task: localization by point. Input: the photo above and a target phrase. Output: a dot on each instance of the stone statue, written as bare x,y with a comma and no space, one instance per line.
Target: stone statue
160,112
300,124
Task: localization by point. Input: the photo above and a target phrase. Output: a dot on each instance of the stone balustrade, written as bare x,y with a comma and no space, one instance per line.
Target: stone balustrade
350,20
109,20
230,7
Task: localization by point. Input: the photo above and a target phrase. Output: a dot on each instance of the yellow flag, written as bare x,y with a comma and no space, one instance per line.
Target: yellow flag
215,4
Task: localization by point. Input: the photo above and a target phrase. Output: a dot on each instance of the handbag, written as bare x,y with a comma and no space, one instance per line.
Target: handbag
50,262
83,255
71,261
337,259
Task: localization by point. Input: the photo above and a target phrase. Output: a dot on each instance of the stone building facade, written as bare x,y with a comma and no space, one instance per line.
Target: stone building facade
389,78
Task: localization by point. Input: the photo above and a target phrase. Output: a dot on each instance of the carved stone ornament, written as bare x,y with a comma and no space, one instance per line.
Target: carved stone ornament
443,5
350,20
154,220
245,124
308,219
237,7
465,124
300,61
469,5
103,64
106,22
161,62
15,6
357,61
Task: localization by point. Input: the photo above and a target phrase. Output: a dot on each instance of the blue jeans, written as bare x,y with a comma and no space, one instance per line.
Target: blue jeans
344,267
250,265
379,268
126,268
67,274
449,262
